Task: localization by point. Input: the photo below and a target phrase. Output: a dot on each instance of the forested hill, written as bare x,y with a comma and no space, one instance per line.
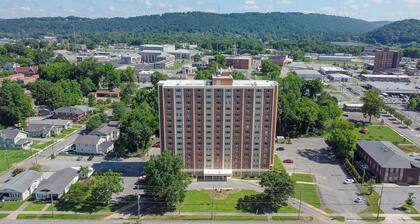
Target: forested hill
400,32
258,25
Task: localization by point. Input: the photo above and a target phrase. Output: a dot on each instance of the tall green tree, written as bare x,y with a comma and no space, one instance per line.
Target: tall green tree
78,194
372,104
342,138
165,181
66,93
41,90
15,106
104,185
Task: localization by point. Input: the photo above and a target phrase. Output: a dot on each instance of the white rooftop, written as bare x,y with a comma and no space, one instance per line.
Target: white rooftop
202,83
332,68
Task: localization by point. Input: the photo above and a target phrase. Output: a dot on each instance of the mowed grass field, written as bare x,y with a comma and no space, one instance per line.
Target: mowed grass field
201,201
10,157
381,133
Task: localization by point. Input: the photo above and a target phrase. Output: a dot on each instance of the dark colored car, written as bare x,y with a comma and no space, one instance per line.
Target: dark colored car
280,148
90,158
287,161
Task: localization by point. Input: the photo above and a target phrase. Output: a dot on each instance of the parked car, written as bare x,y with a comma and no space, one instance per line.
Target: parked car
280,148
140,180
90,158
359,200
348,181
157,145
287,161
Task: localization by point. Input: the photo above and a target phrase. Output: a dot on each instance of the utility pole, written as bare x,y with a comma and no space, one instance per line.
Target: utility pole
300,204
212,205
138,206
380,202
52,205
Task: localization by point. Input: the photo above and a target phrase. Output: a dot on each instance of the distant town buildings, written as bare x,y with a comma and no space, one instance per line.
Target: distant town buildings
332,70
335,58
221,127
385,59
281,58
308,74
75,113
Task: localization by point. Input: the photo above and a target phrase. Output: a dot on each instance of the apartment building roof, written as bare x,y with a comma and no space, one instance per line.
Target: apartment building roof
207,83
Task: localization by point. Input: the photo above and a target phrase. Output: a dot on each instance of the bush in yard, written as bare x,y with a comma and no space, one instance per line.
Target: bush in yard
411,200
17,171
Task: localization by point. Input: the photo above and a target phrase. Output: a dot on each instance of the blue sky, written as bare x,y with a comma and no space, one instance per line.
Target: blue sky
364,9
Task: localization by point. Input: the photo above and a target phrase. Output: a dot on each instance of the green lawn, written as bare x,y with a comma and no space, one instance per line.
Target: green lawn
309,194
37,145
68,131
372,200
35,207
3,216
12,157
373,219
381,133
303,177
10,205
175,217
288,218
240,218
74,216
278,165
199,201
27,216
339,218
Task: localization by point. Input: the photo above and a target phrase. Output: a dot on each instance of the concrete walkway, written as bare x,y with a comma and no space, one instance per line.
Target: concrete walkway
14,214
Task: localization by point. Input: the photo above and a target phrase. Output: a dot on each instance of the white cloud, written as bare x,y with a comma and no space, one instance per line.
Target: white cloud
377,1
327,10
250,5
412,2
285,2
25,8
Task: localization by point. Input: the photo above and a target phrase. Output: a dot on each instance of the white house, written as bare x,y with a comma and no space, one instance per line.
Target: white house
21,186
92,144
110,133
12,138
57,185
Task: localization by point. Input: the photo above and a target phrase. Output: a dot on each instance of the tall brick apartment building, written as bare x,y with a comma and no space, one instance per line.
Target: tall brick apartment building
221,127
385,59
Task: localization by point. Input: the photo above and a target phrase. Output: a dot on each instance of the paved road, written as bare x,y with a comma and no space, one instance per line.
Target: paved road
394,195
311,155
42,156
237,184
413,115
133,222
412,135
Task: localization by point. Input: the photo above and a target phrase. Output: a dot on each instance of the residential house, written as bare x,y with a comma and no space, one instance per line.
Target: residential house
57,185
385,162
10,66
21,78
110,133
74,113
12,138
27,70
21,186
92,144
114,93
47,127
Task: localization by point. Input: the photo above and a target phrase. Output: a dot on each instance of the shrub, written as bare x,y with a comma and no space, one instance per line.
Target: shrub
353,170
17,171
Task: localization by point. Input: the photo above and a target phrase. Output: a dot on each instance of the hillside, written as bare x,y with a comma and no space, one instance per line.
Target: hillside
400,32
257,25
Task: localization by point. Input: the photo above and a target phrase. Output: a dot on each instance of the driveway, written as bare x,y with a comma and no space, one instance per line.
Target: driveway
232,183
311,155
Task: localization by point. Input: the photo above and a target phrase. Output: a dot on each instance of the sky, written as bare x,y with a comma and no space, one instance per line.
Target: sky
371,10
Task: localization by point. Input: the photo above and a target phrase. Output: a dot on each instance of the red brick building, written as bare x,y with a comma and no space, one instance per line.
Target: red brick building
239,62
220,127
385,59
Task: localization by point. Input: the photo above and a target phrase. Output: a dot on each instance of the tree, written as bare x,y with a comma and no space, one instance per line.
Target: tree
311,88
165,182
78,194
36,167
269,68
91,100
238,75
278,188
104,185
118,110
66,93
137,128
93,122
342,138
15,106
197,57
308,112
158,76
372,104
41,91
411,200
128,75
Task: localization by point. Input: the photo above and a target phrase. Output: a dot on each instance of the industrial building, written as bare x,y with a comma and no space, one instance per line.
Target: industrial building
386,78
308,74
221,127
239,62
332,70
335,58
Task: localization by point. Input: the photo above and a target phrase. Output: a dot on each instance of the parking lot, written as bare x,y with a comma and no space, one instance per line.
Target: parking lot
311,155
394,196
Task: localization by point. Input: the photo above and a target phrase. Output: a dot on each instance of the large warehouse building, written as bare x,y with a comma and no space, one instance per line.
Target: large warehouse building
221,127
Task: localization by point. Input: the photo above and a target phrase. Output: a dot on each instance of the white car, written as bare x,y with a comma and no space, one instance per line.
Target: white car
359,200
348,181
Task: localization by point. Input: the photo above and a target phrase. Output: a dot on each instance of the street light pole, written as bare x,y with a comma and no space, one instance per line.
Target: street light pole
138,206
300,204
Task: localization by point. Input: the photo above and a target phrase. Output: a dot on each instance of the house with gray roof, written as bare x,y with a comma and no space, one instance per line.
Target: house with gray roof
13,138
92,144
47,127
21,186
57,184
110,133
387,162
